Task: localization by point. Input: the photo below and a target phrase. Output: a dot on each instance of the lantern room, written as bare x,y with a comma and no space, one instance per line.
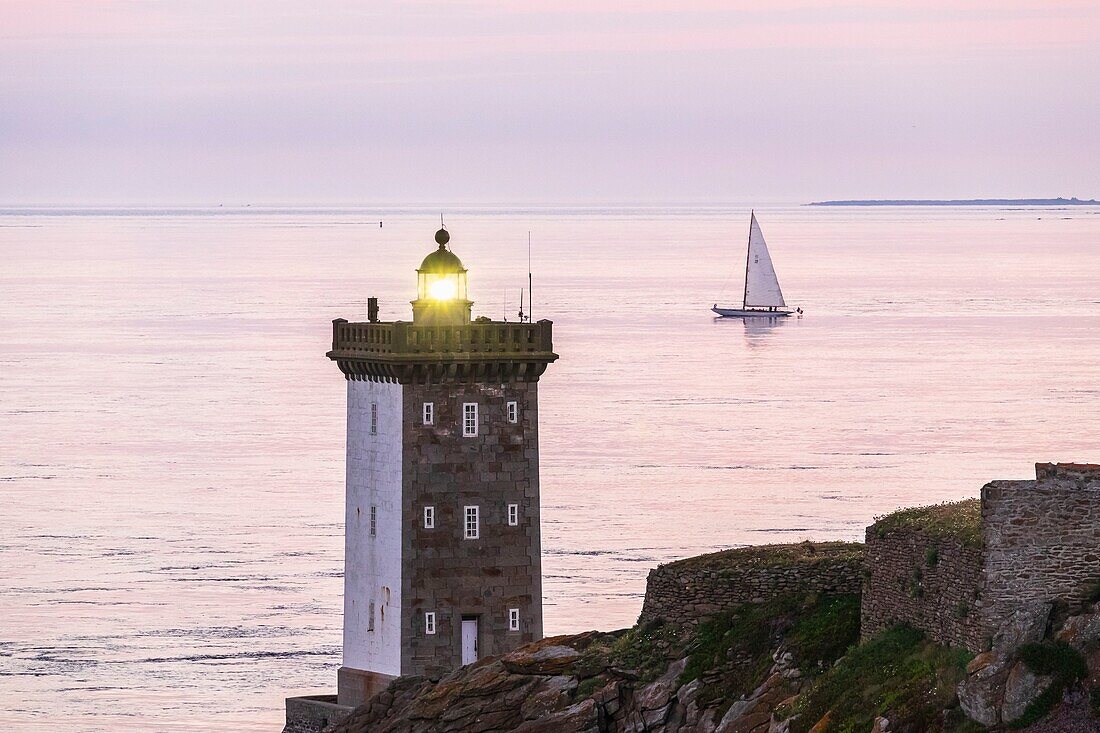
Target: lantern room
441,296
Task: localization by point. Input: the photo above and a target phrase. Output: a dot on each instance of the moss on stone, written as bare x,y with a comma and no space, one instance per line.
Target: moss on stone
772,556
960,521
897,674
643,650
1059,660
733,651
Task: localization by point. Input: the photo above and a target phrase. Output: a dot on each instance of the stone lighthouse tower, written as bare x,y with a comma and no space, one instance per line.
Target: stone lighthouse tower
442,559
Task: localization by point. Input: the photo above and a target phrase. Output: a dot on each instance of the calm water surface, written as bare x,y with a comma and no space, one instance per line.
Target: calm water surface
171,435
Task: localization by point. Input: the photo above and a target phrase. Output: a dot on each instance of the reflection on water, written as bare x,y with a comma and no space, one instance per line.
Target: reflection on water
758,327
755,328
171,434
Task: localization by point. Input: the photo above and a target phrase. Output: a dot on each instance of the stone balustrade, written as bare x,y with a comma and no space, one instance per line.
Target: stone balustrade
409,352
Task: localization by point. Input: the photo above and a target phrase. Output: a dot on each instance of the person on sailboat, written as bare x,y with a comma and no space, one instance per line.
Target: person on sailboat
763,296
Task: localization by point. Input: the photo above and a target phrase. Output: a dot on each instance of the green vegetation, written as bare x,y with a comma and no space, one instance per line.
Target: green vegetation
960,521
932,557
588,686
1055,658
896,674
772,556
733,651
644,650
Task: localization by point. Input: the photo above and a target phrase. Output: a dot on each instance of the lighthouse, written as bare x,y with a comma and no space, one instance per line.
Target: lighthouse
442,556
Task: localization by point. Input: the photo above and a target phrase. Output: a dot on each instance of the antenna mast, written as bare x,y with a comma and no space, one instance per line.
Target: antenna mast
530,292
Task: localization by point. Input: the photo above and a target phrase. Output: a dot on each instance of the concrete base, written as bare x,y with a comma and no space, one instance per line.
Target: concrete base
313,713
355,686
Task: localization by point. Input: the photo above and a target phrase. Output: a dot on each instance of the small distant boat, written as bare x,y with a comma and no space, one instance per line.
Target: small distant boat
762,294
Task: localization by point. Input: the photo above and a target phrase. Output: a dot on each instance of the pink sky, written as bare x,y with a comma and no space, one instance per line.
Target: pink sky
539,101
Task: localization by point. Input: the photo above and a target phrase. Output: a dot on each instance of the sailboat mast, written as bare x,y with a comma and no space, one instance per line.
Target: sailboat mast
748,254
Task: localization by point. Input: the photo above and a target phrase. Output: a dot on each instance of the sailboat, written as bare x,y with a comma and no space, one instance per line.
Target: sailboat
762,294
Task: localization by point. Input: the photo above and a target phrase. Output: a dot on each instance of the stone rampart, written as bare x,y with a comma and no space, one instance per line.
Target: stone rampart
925,578
959,571
1042,538
686,591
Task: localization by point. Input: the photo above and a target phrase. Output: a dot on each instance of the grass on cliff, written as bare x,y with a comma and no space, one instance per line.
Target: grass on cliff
644,650
732,653
771,556
960,520
897,674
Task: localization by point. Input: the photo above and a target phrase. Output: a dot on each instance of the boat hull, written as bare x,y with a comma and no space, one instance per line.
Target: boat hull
748,312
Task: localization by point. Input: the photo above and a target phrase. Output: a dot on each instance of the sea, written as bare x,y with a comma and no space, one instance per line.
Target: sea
172,435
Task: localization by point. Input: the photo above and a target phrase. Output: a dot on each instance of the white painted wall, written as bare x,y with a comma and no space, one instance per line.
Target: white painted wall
372,565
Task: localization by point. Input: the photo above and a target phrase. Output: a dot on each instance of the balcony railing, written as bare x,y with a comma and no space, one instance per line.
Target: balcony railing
404,339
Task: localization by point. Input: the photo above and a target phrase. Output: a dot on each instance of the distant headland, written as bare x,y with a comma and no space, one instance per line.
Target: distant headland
960,202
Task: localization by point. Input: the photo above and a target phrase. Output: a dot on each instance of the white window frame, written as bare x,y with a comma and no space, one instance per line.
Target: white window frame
429,623
513,515
513,412
513,619
374,418
373,520
469,419
429,517
471,530
428,413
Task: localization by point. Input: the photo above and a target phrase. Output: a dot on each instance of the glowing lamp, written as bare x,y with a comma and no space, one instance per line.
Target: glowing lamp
445,289
441,286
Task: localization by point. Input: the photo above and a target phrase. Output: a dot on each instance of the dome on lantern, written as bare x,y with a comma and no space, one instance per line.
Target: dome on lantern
443,261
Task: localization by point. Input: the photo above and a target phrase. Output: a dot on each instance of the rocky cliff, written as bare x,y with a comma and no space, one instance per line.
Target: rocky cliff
791,662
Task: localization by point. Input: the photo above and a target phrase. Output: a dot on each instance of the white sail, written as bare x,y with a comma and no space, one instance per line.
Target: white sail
761,284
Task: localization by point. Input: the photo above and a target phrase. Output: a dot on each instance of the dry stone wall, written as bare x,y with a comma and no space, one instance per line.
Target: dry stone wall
928,582
689,590
1042,538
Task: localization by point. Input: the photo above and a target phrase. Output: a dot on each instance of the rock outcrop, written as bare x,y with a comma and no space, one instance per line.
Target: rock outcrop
649,680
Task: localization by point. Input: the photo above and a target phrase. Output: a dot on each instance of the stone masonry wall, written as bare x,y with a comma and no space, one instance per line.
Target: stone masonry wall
456,577
1042,538
928,582
689,590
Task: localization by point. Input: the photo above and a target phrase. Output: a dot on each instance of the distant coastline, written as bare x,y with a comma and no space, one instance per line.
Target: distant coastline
960,202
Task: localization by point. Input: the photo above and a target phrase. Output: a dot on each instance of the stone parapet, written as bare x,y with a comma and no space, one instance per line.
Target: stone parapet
1042,538
688,591
406,352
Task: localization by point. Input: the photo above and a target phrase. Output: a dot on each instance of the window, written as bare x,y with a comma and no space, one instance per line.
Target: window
370,620
429,517
513,412
469,419
429,622
429,413
473,524
373,521
513,619
374,418
513,515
